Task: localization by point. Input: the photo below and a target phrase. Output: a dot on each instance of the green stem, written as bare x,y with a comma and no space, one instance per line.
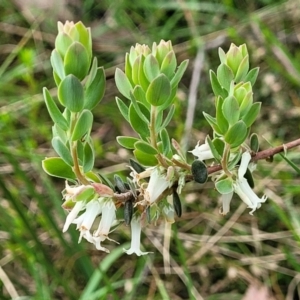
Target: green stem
73,144
152,127
224,160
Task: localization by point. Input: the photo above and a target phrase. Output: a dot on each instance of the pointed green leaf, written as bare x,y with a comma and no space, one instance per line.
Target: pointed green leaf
77,61
216,153
88,158
213,123
169,64
144,117
231,110
95,91
159,90
234,160
216,87
145,147
137,123
55,114
252,114
123,109
92,73
70,93
225,76
242,70
62,43
57,64
144,158
56,167
140,96
179,73
83,125
236,134
127,141
151,67
62,150
252,75
168,118
220,118
166,144
123,84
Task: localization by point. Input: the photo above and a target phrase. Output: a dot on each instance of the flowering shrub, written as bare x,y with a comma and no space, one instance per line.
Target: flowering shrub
161,168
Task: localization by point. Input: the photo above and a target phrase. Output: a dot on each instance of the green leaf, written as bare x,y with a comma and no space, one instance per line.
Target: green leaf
56,167
123,108
168,118
145,117
62,150
57,64
246,104
220,118
55,114
89,157
142,79
145,147
254,143
127,141
252,114
230,109
234,160
216,153
252,76
224,186
159,90
57,131
213,123
166,144
222,55
137,123
216,87
83,125
151,67
95,91
179,73
236,134
140,96
169,64
219,145
92,73
225,76
62,43
77,61
144,158
70,93
123,84
242,70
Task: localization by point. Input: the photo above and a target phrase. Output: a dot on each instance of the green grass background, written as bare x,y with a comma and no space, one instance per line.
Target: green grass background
203,255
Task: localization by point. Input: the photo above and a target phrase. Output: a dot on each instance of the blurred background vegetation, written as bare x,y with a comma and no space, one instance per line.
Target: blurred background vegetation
203,255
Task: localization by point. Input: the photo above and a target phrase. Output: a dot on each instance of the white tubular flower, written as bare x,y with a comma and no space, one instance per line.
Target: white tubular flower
226,199
136,229
108,217
242,188
156,186
203,151
86,220
73,214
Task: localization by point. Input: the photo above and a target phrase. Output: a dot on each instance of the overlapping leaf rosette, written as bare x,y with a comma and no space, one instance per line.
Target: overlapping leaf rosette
235,113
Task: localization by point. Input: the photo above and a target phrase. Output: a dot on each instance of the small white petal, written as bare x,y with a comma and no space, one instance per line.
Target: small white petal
202,152
73,214
226,199
246,157
136,229
108,217
156,186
